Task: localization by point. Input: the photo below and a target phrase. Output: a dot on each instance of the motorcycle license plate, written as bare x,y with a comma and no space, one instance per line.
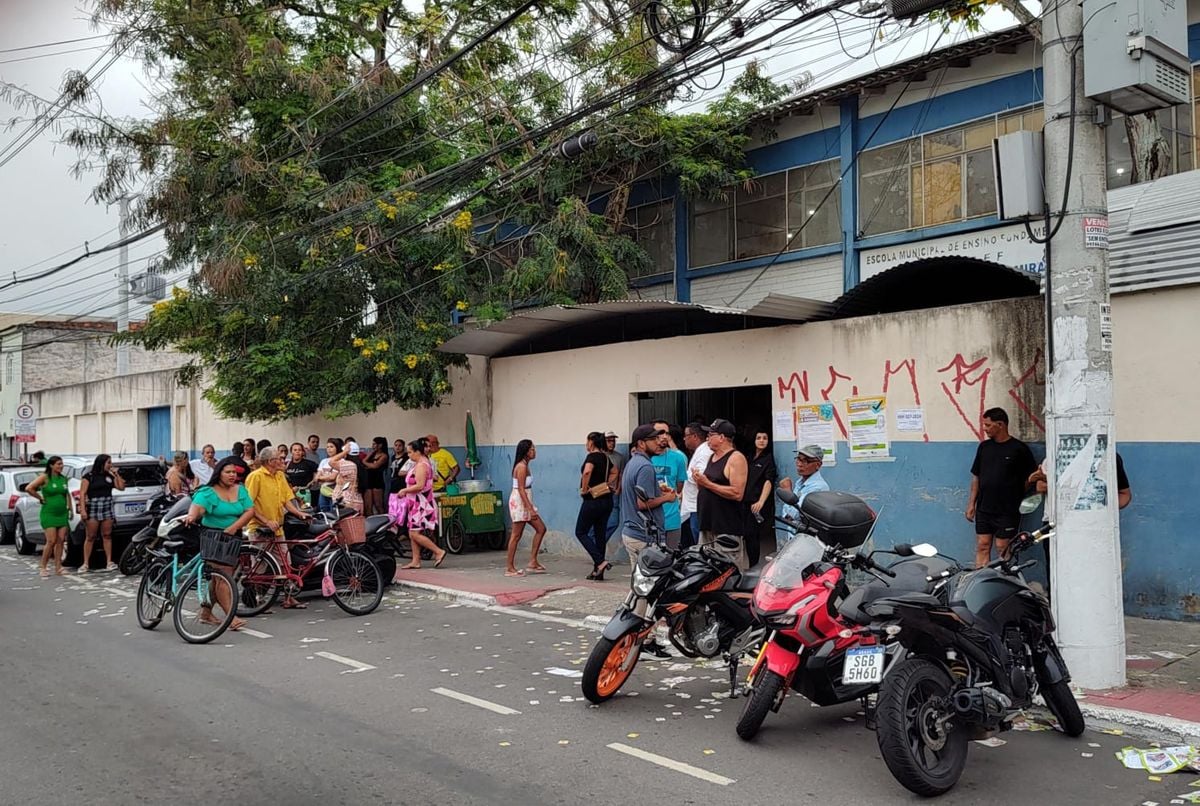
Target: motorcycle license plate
863,665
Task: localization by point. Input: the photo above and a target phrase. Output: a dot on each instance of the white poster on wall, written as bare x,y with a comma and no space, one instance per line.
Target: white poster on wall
1009,246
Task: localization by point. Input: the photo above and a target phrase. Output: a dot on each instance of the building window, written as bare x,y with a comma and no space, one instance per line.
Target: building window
8,370
937,178
793,209
653,227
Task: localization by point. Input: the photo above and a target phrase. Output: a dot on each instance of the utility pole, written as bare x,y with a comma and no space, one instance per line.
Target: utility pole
1081,463
123,291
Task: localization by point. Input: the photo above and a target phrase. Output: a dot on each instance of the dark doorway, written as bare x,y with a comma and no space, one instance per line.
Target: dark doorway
747,407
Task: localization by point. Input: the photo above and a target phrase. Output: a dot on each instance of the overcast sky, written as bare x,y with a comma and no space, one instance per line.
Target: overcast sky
46,214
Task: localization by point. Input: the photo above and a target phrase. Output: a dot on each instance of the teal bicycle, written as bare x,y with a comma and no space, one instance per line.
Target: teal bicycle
201,597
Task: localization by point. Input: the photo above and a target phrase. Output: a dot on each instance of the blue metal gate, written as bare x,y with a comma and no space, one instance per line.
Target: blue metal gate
158,431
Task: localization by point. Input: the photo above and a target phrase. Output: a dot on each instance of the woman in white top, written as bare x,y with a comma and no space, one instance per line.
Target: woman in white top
522,511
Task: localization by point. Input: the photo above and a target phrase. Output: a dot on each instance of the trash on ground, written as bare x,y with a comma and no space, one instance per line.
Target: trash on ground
1160,761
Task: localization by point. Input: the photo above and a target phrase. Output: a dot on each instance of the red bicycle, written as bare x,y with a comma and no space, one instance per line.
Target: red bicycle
274,565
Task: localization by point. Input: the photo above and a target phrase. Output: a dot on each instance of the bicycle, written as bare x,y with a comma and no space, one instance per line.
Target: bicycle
265,570
191,590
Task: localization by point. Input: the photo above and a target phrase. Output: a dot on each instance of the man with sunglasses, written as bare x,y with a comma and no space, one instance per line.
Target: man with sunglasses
809,480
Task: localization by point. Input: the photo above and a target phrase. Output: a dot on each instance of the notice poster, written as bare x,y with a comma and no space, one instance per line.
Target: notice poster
815,425
910,420
866,422
784,427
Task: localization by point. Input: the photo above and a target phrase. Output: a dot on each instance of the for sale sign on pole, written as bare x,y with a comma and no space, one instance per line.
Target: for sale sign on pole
25,424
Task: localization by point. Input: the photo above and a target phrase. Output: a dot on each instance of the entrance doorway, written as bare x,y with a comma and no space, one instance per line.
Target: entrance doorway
747,407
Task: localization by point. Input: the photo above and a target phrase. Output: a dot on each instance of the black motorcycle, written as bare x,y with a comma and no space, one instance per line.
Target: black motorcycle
980,645
137,554
701,595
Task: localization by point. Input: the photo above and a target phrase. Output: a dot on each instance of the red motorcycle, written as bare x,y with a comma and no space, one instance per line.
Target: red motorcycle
821,644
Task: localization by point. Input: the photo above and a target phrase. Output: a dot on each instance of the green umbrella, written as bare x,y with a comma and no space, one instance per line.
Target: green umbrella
472,449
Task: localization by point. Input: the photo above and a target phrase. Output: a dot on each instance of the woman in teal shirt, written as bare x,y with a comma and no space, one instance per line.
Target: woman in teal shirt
222,504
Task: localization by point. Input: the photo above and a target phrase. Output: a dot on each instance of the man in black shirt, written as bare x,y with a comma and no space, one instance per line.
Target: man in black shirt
1002,465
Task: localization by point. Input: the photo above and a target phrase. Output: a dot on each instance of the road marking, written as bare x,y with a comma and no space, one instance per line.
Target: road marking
672,764
469,700
355,666
255,633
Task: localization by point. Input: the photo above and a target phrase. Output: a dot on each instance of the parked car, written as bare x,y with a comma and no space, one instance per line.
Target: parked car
145,476
13,479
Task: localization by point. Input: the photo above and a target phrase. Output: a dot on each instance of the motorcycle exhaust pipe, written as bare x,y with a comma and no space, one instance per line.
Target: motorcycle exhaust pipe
982,705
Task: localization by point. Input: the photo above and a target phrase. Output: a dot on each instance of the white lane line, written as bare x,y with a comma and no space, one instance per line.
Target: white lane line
355,665
467,698
254,633
672,764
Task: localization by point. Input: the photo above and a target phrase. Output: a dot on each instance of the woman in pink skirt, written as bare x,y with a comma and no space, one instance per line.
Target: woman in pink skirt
522,511
422,511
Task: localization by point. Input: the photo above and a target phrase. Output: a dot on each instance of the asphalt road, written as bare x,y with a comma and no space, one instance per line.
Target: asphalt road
323,708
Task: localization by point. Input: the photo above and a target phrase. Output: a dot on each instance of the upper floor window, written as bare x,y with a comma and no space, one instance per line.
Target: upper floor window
791,210
1139,151
936,178
653,227
9,364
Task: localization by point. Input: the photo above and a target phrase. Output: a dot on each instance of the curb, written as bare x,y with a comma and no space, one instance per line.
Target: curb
1103,716
485,601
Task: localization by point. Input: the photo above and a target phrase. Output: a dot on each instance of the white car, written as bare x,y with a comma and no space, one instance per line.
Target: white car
13,479
145,477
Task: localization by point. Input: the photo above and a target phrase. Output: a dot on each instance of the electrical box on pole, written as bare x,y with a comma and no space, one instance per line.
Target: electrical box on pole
1019,181
1138,54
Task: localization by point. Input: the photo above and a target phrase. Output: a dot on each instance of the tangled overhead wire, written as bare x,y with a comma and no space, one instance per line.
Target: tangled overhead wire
677,32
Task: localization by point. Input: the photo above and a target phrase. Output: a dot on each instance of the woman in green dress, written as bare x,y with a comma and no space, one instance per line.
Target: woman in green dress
51,489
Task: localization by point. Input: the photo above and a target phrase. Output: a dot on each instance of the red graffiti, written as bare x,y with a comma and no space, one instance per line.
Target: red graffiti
909,364
834,376
969,374
1030,374
796,381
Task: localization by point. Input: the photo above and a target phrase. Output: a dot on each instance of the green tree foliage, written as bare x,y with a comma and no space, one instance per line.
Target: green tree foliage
333,222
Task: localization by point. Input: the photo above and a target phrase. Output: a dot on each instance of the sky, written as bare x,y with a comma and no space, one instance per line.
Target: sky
46,214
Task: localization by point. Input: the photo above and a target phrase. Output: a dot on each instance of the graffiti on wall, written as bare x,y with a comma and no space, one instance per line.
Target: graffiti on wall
964,383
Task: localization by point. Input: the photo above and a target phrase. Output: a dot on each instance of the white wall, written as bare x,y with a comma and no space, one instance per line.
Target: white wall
817,278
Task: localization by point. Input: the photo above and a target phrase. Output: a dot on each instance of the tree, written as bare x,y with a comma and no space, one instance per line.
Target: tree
335,208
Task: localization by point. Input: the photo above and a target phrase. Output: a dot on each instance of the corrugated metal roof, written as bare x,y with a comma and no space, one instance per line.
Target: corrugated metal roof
567,326
793,309
1154,234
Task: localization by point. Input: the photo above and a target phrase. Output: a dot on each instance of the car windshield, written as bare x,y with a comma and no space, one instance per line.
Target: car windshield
24,478
792,564
146,475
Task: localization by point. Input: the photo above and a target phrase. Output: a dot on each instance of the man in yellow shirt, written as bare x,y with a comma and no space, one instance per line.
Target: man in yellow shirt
270,492
443,462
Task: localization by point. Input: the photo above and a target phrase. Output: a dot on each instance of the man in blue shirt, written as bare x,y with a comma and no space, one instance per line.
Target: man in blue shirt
670,469
809,479
639,472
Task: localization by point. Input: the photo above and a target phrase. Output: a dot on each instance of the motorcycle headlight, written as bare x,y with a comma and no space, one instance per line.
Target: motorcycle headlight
642,583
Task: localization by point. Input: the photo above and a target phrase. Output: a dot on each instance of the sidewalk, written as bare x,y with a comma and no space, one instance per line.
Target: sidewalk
1163,657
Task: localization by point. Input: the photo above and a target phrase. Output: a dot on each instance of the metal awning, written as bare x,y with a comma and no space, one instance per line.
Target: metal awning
565,327
792,309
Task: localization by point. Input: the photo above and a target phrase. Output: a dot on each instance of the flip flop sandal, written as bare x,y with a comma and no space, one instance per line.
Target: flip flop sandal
531,570
441,560
517,573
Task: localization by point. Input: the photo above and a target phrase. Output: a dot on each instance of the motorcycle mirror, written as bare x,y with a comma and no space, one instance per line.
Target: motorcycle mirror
1031,503
787,496
903,549
925,550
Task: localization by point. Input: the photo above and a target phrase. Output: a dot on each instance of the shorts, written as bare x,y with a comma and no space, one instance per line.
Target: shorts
634,547
1002,527
100,509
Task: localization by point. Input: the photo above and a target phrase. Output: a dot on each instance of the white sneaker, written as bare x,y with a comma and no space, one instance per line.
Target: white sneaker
112,567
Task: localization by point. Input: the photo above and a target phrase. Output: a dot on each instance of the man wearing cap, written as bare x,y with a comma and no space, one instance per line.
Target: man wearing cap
808,478
618,461
722,484
639,472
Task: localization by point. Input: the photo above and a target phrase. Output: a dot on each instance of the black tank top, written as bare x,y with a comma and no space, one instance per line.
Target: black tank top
719,515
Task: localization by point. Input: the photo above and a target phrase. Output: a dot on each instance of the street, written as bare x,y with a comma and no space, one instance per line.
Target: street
427,702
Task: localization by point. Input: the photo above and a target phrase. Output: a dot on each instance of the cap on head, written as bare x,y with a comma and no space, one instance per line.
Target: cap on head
644,432
812,452
610,434
722,427
354,449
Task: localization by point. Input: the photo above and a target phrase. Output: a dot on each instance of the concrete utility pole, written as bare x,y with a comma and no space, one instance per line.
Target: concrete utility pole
123,291
1081,463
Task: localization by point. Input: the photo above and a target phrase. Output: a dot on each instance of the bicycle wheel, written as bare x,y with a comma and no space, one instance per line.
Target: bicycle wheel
259,580
154,595
199,614
357,583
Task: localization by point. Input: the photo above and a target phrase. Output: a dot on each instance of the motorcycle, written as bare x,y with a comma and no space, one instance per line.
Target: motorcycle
979,648
137,554
701,595
820,644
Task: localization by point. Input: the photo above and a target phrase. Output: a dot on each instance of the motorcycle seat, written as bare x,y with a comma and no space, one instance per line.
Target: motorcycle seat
851,607
374,523
748,581
911,577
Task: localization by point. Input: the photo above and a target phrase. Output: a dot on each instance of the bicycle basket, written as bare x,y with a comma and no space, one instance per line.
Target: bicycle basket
219,548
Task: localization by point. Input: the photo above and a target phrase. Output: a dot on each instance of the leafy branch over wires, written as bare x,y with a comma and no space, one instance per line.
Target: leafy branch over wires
343,174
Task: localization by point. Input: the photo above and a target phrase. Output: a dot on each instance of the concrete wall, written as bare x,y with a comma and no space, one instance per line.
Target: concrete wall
59,357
